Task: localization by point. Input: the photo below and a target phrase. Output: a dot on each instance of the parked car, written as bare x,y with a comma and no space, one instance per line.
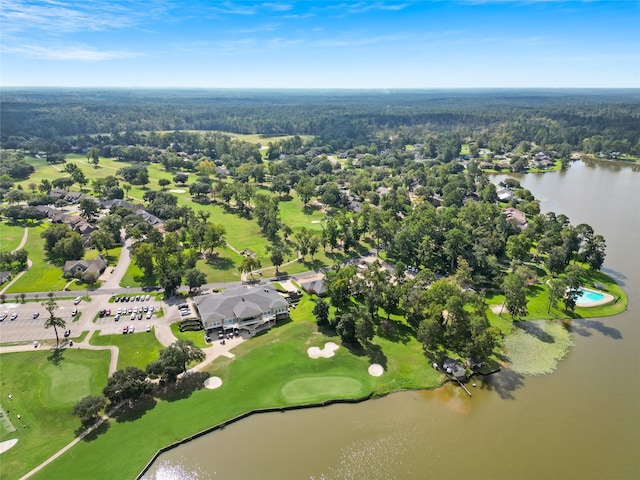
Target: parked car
146,298
148,329
130,310
119,311
148,315
132,329
133,316
116,299
117,317
185,313
3,316
125,329
77,300
140,316
127,299
107,312
183,306
101,313
75,312
145,309
135,309
137,298
151,308
36,315
14,316
67,333
207,338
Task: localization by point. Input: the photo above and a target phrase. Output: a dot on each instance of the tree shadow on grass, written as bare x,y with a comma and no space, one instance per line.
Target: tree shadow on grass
395,331
131,413
56,357
376,355
95,433
220,263
504,383
584,328
182,388
310,209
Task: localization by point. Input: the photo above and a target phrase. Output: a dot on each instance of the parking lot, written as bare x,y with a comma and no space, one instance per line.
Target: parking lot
24,328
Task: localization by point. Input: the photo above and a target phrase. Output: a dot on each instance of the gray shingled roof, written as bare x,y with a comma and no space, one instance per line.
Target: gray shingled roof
239,303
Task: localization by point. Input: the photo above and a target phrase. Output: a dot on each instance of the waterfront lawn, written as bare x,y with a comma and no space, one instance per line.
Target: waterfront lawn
538,302
45,386
135,349
270,370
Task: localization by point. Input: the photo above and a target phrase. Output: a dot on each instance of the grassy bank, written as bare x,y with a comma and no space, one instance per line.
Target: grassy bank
270,370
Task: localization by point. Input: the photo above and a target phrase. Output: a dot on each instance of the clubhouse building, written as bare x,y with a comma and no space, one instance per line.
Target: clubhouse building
248,308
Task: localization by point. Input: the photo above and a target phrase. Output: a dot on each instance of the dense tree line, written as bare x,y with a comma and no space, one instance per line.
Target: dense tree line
52,120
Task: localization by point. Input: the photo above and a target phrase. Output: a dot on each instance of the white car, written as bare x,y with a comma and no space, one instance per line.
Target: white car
151,308
132,329
148,315
133,316
77,300
148,328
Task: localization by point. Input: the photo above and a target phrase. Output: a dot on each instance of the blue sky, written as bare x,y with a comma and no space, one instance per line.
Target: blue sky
320,44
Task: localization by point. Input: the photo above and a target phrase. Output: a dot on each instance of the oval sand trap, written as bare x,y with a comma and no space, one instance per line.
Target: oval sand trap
177,190
7,444
326,352
213,382
375,370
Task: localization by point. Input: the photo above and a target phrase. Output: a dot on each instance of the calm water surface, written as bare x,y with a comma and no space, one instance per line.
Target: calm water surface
581,422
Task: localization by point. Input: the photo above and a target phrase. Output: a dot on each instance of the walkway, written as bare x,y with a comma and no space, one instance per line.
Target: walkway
23,242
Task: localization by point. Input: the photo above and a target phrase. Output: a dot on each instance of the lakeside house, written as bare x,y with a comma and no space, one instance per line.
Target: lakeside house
248,308
516,216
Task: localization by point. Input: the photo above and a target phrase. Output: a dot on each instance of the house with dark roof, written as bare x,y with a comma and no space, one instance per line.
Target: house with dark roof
4,276
73,197
316,287
248,308
85,269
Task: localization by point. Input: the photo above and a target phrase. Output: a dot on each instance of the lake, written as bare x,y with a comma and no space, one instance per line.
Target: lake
581,422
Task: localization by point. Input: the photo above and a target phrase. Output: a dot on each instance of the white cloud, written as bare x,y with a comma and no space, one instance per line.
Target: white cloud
80,53
60,17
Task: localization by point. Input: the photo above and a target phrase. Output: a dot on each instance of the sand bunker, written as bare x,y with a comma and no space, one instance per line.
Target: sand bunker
328,351
177,190
375,370
7,444
213,382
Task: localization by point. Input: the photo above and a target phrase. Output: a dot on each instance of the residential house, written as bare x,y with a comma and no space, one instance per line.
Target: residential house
504,194
85,269
249,308
4,276
73,197
516,216
316,287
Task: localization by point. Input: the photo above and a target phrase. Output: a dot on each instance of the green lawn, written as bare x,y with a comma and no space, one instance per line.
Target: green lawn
10,236
135,350
44,389
538,302
42,276
270,370
197,337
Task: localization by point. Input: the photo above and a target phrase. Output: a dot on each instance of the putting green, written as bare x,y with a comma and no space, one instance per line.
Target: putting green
66,383
316,389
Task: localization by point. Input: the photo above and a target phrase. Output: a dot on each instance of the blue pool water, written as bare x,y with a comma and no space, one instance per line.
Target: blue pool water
588,296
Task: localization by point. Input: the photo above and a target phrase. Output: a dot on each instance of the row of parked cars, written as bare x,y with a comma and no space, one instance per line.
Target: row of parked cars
3,316
137,298
132,329
184,309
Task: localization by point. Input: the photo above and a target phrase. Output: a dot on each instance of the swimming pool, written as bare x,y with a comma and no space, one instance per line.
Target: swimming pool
588,296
